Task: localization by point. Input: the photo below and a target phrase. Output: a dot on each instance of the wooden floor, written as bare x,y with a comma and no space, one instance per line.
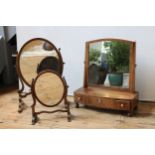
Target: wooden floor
85,118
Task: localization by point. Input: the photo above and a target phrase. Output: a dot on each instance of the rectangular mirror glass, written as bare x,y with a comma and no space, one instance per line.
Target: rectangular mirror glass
109,63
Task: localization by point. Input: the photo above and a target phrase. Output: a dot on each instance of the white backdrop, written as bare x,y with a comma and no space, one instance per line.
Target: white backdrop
72,42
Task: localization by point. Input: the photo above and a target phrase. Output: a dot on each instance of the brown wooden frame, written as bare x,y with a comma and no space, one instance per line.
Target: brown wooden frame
35,98
22,80
132,64
115,98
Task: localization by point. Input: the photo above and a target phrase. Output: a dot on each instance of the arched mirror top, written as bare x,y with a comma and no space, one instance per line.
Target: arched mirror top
110,63
109,39
37,55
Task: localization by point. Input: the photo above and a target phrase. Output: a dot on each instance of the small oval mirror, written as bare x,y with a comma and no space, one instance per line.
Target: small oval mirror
49,88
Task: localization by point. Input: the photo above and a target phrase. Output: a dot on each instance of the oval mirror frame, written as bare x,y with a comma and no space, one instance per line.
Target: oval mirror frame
47,48
131,85
37,83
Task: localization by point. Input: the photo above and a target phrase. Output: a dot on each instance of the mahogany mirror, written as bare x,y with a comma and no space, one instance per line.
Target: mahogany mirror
109,77
35,56
33,53
49,94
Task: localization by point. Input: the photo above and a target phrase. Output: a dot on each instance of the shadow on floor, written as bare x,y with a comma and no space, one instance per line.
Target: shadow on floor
137,113
8,88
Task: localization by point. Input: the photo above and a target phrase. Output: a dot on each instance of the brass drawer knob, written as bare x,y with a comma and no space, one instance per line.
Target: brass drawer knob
122,105
99,100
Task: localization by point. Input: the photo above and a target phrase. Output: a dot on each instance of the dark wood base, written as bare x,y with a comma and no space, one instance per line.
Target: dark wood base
35,114
35,117
107,99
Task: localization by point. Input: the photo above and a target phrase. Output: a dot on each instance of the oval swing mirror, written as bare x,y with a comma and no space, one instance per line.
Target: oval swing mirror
37,55
49,88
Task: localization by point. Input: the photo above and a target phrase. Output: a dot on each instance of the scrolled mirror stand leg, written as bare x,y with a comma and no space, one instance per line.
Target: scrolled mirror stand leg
67,103
67,106
35,118
22,105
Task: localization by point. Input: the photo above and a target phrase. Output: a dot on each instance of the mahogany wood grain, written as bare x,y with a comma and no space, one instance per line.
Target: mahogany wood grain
109,97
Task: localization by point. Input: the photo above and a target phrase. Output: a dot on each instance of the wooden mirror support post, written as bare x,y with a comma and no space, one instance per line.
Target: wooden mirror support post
95,91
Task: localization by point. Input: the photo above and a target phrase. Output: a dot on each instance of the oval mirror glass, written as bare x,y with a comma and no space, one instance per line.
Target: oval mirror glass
49,88
38,55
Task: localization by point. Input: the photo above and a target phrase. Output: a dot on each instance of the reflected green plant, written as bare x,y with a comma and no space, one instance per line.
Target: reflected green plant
117,55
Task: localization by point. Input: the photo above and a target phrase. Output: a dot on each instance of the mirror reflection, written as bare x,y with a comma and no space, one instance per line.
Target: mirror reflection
109,63
34,58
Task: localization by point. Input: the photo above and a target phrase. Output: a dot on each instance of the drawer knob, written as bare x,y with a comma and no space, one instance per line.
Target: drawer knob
122,105
99,100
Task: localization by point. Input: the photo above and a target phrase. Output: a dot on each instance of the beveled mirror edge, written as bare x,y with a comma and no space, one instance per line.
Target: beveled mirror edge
19,54
132,64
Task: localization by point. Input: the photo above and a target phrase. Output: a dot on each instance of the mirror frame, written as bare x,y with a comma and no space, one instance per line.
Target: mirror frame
34,88
132,58
21,50
35,99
